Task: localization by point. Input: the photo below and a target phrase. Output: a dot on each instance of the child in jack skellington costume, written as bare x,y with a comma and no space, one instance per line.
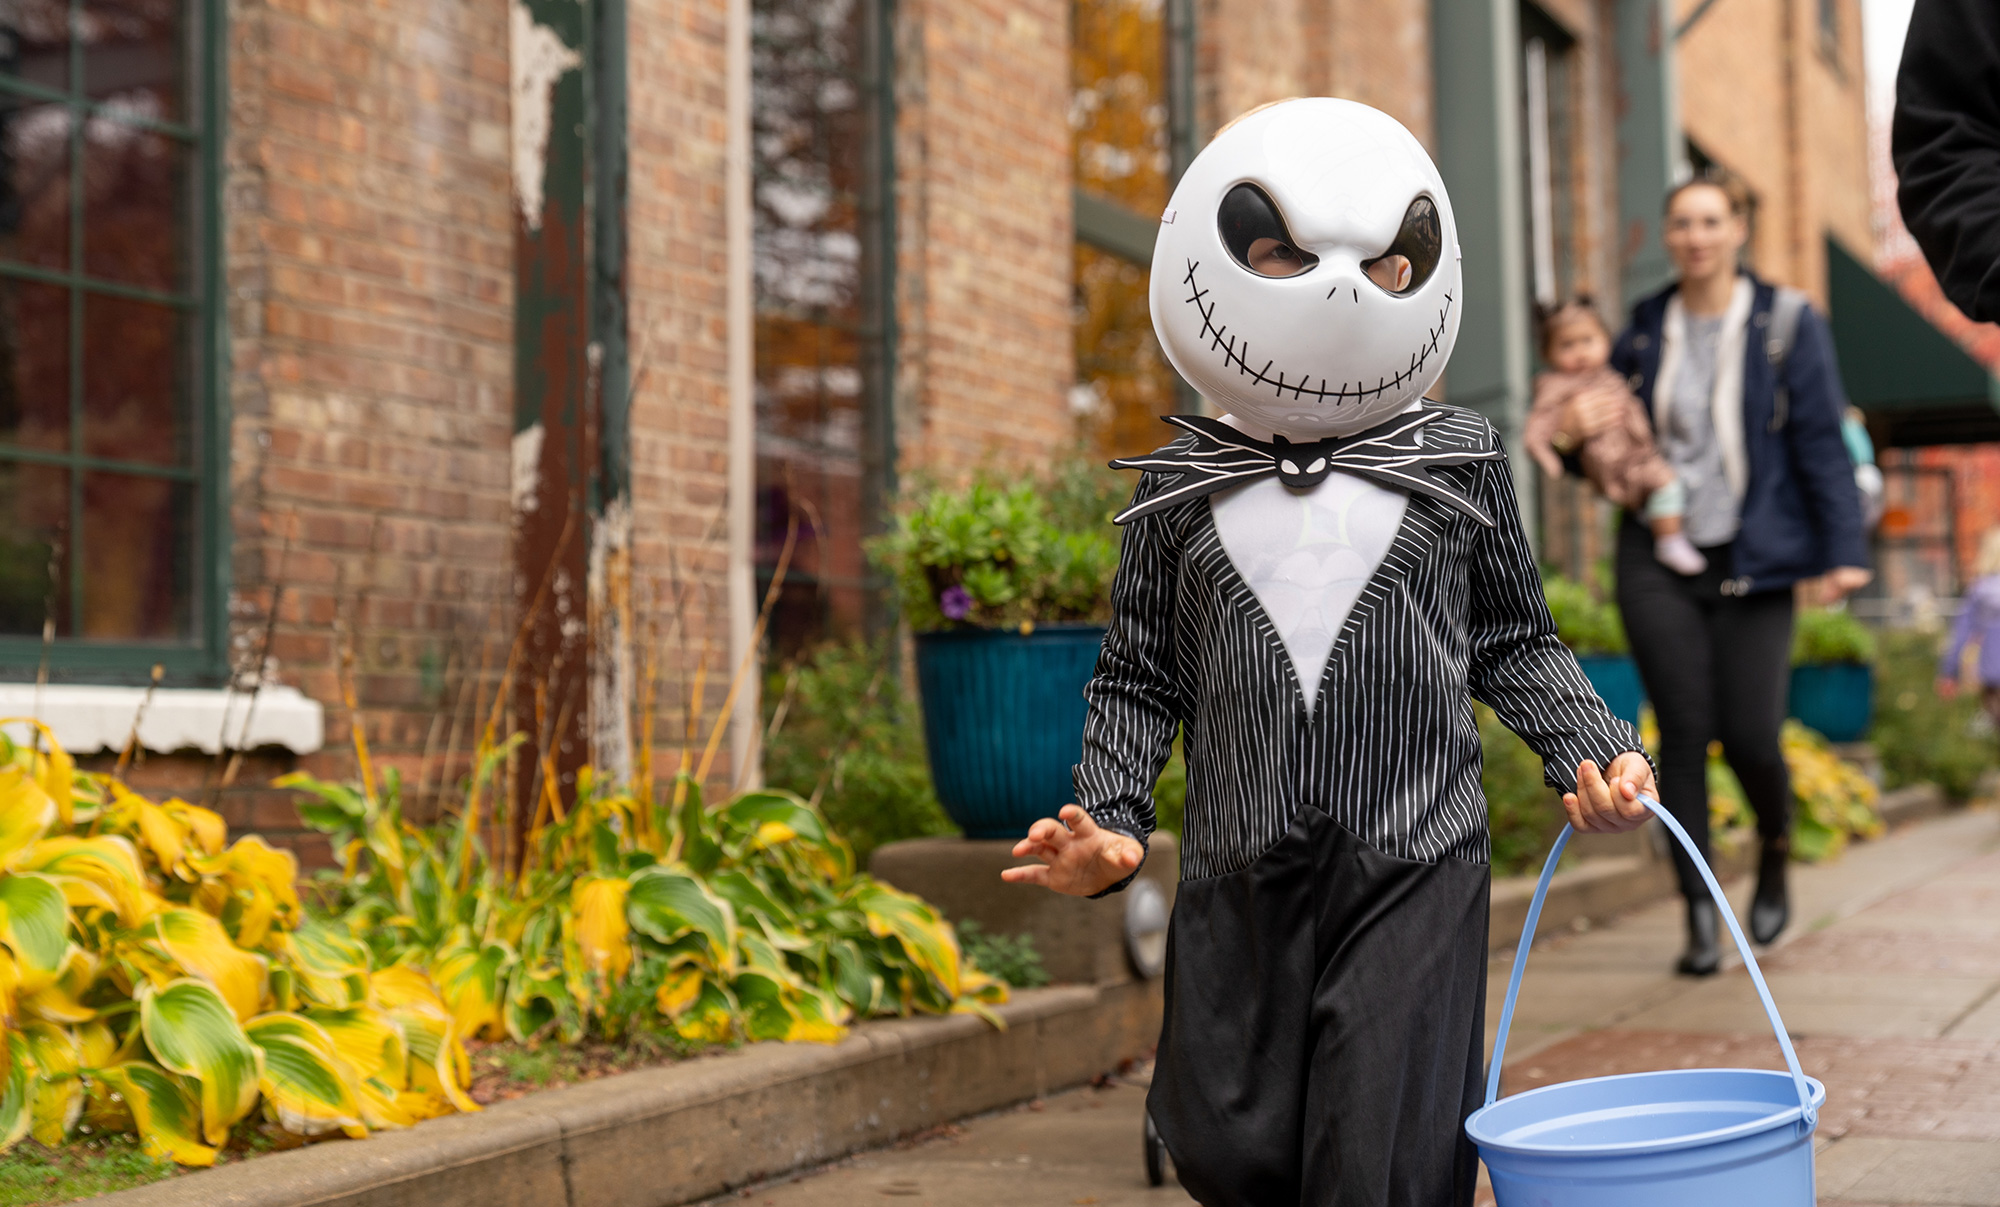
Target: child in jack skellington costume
1313,588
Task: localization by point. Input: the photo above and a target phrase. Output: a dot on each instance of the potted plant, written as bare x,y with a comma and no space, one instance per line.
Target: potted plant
1595,633
1007,588
1833,674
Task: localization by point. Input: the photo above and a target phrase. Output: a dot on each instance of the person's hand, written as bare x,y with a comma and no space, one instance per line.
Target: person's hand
1608,803
1592,411
1841,581
1081,858
1947,689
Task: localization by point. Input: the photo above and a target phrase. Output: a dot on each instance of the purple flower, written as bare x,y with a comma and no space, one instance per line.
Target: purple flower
955,603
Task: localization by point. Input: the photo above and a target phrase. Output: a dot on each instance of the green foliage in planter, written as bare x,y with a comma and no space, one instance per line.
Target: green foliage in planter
1584,623
1170,792
1824,636
844,734
1011,958
1522,812
1000,555
1922,737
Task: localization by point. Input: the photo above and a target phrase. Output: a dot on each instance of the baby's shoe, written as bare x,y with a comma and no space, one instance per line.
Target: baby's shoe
1678,554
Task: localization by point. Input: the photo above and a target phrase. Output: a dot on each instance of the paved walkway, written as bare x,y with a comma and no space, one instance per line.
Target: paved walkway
1889,981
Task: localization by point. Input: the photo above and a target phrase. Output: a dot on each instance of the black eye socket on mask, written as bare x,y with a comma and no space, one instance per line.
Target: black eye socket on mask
1255,234
1414,256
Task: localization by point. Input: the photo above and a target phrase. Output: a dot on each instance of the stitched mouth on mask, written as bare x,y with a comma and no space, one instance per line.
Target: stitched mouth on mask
1235,352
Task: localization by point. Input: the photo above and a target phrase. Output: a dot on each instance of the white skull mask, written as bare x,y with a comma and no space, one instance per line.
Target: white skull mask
1306,275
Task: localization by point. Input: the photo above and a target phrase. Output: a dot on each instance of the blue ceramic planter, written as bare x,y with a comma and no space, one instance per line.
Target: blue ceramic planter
1837,699
1003,718
1616,680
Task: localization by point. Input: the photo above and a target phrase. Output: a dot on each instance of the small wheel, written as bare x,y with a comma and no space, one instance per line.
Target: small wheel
1156,1155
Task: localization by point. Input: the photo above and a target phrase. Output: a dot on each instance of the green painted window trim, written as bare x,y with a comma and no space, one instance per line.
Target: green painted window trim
202,658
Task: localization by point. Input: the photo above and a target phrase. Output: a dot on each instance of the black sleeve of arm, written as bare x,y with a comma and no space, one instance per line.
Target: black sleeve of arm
1128,733
1519,669
1945,142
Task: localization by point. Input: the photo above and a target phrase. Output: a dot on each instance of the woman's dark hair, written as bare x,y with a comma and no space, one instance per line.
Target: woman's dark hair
1551,319
1728,185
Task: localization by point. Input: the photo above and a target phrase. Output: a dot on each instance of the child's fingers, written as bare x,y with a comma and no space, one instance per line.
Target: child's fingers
1033,873
1050,833
1080,823
1593,796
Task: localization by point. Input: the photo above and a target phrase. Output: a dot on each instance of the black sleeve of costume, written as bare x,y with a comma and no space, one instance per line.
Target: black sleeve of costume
1518,668
1128,734
1819,453
1946,146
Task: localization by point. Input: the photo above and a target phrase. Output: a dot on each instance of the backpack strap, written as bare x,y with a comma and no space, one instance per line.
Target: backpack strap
1786,308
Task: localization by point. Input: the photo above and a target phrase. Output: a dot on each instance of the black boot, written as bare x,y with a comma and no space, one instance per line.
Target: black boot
1702,956
1771,908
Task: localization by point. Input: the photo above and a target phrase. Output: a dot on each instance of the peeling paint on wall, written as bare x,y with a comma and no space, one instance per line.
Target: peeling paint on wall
527,468
536,58
612,681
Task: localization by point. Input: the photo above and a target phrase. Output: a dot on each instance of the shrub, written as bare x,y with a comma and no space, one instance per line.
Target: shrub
994,555
1922,737
1523,813
1011,958
1824,636
844,735
1583,623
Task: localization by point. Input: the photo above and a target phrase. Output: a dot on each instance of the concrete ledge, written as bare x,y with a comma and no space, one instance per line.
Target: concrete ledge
661,1137
1913,802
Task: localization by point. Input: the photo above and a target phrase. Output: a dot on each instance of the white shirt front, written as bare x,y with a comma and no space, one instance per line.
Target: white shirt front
1307,556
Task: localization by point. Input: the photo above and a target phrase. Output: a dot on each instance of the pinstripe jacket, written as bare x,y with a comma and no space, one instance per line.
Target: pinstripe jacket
1391,749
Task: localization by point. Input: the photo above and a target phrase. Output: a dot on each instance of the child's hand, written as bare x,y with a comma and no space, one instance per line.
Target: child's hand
1610,804
1081,859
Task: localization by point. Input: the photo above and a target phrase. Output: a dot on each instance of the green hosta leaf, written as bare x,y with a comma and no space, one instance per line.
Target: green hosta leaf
749,897
665,904
197,942
34,924
855,978
332,967
923,935
473,984
17,1093
167,1116
193,1032
539,1000
305,1083
58,1100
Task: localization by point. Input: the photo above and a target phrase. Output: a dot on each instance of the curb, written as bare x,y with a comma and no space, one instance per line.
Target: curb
686,1132
1914,802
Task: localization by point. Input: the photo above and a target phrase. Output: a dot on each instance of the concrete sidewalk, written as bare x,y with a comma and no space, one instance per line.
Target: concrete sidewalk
1887,981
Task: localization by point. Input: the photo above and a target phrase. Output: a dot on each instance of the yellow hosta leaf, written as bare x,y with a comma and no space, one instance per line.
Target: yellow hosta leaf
205,827
26,813
369,1042
61,1000
260,877
197,942
667,903
58,1095
772,833
34,925
168,1117
52,767
192,1031
473,985
108,861
157,833
710,1019
332,967
437,1059
925,937
305,1083
678,991
17,1092
602,934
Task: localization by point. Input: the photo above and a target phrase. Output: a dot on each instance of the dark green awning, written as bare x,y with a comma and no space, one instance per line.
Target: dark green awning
1915,384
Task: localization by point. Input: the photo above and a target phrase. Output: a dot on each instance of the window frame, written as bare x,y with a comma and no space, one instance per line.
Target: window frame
202,657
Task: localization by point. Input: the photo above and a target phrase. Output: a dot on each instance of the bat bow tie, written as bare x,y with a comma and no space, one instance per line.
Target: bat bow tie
1394,454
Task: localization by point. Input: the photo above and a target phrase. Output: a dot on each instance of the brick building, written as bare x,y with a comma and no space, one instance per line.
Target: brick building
369,350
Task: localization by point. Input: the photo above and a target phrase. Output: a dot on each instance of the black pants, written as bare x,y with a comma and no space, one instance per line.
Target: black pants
1325,1027
1717,668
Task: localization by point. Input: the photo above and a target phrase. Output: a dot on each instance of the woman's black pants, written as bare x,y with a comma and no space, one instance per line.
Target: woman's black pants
1717,667
1325,1027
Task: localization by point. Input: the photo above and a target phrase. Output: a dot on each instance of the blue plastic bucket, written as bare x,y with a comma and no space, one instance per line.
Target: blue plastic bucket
1711,1137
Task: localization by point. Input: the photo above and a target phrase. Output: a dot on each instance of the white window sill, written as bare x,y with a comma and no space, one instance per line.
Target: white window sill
89,719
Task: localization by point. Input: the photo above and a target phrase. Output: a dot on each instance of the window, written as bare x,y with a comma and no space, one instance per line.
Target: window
1125,121
1548,130
825,337
108,440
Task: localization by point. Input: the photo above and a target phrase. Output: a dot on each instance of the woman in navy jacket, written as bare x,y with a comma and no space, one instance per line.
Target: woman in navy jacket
1746,403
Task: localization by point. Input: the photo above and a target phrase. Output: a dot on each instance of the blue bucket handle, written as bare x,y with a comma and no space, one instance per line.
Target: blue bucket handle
1810,1117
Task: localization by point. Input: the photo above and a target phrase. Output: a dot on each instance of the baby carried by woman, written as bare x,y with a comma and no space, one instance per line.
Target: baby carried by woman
1621,460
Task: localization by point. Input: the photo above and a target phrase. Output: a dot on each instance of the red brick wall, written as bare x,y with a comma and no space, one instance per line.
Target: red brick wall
370,314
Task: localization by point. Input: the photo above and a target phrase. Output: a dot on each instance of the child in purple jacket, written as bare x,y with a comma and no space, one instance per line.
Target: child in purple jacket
1978,624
